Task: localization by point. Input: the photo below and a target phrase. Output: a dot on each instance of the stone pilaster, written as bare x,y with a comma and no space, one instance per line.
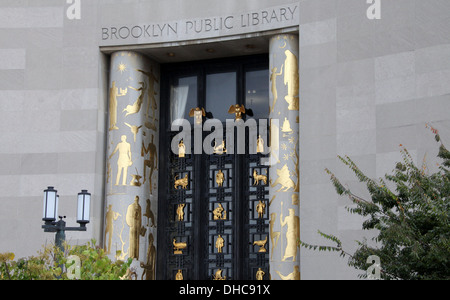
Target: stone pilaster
284,170
132,161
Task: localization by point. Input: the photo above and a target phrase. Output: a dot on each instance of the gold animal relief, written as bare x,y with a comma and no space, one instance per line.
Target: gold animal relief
183,182
178,247
219,213
258,177
261,245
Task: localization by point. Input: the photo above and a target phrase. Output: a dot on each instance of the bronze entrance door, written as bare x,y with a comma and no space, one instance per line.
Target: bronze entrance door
213,209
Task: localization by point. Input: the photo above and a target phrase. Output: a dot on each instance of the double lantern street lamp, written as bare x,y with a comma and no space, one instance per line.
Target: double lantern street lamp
50,213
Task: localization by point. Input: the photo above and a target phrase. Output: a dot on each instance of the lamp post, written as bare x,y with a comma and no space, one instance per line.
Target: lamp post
51,201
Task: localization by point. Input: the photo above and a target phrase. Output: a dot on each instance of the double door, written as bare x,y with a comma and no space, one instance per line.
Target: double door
213,218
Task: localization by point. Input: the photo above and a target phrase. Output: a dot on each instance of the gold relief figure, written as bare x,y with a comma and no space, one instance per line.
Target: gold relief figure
258,177
183,182
136,107
181,149
219,213
292,233
291,79
124,161
295,275
134,130
149,214
259,145
274,235
273,79
109,227
151,92
134,221
198,114
286,128
238,110
261,244
180,212
219,149
284,179
260,274
151,162
218,275
113,94
260,208
179,275
149,266
219,244
220,178
178,247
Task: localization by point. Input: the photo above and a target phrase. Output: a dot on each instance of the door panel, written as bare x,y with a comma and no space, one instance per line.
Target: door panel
213,215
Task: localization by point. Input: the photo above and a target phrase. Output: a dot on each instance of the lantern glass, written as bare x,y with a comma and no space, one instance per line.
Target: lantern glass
50,204
83,208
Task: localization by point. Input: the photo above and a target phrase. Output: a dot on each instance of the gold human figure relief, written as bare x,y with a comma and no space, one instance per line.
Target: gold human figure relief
198,113
259,145
178,247
220,149
149,214
273,79
181,149
291,79
295,275
219,213
179,275
238,110
218,275
113,94
183,182
274,235
292,233
134,221
261,244
149,266
258,177
220,178
261,208
136,107
124,161
151,92
260,274
151,162
219,244
109,227
134,129
283,179
180,212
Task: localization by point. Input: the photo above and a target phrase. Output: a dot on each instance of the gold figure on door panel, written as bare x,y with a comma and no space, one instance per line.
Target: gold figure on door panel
291,79
260,274
219,213
180,212
198,114
124,161
220,178
238,110
219,244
